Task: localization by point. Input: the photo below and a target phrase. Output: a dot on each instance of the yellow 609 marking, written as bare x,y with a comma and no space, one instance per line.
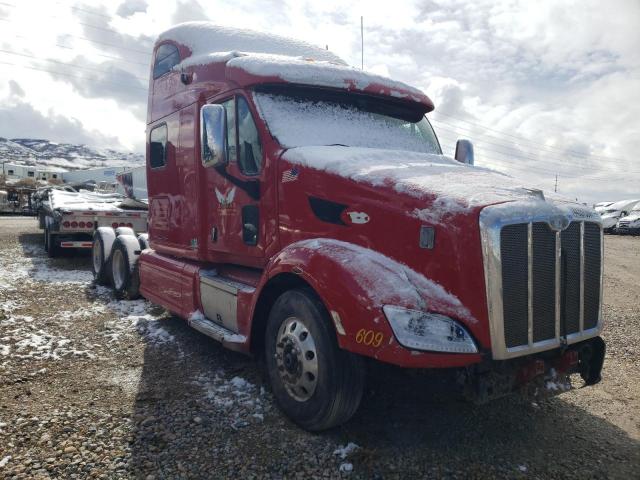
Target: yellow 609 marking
369,337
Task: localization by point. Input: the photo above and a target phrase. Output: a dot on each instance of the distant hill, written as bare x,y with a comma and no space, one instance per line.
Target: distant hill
30,151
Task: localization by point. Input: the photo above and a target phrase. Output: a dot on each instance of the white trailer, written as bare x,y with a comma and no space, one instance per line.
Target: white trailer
69,219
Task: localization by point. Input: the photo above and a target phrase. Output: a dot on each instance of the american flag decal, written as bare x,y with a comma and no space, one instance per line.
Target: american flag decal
290,175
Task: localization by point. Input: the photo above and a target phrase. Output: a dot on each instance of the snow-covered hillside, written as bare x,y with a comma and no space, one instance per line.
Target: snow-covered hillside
63,155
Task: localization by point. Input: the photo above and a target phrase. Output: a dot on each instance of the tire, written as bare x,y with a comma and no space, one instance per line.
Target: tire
103,239
52,247
124,267
332,393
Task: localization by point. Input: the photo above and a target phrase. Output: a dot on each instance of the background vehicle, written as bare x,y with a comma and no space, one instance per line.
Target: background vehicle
630,224
616,211
16,200
601,206
302,211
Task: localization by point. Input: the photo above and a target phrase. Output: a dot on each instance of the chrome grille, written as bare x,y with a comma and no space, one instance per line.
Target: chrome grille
543,283
592,269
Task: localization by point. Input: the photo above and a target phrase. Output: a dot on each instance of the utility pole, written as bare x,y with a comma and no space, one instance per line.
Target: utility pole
555,189
361,42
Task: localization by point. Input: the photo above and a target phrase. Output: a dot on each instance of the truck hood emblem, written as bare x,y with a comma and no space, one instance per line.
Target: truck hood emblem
558,222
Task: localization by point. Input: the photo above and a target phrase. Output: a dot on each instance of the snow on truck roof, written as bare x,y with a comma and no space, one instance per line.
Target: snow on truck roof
255,57
205,37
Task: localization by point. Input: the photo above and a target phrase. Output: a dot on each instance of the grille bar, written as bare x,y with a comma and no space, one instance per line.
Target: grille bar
550,282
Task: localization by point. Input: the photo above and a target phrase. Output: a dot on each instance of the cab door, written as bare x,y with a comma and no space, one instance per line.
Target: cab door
239,197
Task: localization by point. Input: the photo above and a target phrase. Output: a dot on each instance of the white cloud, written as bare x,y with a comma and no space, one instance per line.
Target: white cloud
563,75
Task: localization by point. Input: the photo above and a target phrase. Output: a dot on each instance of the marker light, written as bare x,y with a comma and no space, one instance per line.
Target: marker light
428,331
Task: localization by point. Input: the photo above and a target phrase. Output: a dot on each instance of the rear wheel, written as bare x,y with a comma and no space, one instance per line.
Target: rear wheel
315,383
102,242
126,281
51,244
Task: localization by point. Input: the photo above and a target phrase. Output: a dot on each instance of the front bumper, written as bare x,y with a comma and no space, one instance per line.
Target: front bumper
540,375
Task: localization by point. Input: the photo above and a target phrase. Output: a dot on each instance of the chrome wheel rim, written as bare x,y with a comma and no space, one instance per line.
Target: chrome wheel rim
118,267
97,256
297,359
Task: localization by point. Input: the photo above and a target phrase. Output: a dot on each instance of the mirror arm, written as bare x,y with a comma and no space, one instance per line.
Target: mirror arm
252,187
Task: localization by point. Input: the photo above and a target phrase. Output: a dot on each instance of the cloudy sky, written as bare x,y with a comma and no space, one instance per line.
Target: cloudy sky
540,87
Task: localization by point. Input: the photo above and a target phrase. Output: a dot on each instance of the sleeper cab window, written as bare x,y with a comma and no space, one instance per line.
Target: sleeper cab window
158,147
167,56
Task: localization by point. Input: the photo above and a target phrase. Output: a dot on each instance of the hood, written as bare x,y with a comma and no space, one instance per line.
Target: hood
444,183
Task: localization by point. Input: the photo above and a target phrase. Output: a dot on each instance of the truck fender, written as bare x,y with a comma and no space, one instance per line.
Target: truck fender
132,246
143,240
354,284
126,279
125,231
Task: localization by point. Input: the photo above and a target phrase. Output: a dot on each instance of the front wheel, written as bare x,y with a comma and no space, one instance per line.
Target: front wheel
315,383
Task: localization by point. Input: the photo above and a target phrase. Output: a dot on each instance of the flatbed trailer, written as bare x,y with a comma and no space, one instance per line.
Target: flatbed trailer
69,219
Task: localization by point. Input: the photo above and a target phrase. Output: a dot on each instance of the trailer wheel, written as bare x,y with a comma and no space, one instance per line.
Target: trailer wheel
124,267
315,383
51,244
100,251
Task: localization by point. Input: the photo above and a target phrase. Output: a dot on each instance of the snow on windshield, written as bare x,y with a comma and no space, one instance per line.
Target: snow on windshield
297,123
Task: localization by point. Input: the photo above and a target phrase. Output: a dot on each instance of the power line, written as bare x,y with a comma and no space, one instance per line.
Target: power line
530,141
72,76
522,154
528,168
64,63
118,47
510,145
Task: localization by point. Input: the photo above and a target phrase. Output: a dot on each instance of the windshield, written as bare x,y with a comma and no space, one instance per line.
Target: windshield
312,117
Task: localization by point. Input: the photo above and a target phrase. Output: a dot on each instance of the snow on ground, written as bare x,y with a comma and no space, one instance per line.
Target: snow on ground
30,264
243,401
27,338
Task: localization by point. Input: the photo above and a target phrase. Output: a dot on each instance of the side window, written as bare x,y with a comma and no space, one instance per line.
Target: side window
167,56
249,149
230,108
158,147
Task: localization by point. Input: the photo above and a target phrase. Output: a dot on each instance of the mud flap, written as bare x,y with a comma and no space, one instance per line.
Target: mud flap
591,359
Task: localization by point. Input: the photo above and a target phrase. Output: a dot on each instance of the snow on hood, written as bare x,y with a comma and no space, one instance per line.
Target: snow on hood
205,37
457,187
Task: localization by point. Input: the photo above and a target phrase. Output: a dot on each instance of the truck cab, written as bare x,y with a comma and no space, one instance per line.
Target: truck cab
302,211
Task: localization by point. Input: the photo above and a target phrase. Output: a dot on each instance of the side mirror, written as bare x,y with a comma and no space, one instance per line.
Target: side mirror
213,136
464,151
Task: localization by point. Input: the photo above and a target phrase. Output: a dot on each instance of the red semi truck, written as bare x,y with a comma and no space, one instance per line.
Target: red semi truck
302,211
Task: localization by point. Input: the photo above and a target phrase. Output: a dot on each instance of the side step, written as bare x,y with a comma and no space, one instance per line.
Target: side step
214,330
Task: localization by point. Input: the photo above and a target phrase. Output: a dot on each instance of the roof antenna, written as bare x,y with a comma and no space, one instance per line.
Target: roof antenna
361,42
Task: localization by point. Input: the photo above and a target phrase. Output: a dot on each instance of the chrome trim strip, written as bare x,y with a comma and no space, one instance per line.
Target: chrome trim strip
600,317
581,327
558,287
530,282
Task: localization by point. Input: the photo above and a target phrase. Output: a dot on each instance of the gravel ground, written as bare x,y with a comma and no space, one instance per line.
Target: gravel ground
91,387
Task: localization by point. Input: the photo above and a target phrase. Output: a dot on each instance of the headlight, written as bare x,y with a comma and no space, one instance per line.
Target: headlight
428,331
